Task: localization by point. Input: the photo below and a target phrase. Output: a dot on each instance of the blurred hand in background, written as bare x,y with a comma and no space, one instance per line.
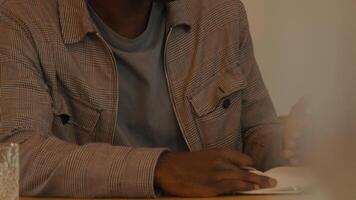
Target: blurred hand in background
297,125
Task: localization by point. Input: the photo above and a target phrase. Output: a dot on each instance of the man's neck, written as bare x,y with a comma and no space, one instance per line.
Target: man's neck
126,17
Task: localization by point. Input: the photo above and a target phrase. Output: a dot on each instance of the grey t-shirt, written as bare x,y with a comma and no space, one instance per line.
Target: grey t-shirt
146,117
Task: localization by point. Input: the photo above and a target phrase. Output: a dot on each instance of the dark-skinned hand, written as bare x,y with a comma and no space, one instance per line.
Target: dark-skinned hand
207,174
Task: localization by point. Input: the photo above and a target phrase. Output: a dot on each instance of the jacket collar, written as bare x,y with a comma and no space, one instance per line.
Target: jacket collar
76,22
179,14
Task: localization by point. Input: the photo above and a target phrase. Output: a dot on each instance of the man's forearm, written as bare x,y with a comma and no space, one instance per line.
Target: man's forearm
52,167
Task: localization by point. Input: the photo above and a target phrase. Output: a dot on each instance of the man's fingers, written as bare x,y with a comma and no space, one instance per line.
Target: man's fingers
231,186
252,178
237,158
262,181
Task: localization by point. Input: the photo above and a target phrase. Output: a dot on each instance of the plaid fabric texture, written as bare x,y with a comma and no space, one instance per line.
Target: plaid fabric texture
59,99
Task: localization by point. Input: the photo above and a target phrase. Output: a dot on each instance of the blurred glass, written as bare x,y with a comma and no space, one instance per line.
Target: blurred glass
9,172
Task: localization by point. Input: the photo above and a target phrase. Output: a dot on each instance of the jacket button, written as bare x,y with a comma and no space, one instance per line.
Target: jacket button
226,103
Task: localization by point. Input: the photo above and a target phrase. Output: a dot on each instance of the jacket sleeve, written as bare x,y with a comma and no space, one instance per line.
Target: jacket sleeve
48,165
263,138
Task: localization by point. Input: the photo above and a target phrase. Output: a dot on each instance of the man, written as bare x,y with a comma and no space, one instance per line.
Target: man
129,98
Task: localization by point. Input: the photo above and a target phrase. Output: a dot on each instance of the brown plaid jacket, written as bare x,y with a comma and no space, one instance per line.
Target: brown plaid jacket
59,94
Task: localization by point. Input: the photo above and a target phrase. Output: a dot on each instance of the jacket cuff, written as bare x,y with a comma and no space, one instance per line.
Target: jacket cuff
136,178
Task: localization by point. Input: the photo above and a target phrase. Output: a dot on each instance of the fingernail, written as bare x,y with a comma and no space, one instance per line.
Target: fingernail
272,182
256,187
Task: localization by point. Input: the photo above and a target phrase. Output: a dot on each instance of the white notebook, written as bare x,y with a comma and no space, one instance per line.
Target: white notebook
290,180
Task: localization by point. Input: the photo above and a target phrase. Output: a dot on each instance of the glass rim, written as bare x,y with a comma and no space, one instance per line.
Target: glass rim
8,145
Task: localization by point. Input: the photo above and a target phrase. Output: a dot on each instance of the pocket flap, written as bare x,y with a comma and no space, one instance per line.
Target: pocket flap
223,85
78,113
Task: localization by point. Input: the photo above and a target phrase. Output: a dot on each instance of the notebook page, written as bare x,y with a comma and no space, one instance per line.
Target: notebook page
291,180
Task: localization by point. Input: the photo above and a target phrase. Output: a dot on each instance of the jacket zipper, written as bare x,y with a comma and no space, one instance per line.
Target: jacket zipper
169,86
116,86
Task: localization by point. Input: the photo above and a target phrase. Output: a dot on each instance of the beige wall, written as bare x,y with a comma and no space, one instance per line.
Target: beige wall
302,44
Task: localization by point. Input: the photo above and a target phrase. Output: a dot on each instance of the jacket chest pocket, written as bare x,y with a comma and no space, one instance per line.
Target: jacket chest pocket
75,120
217,108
